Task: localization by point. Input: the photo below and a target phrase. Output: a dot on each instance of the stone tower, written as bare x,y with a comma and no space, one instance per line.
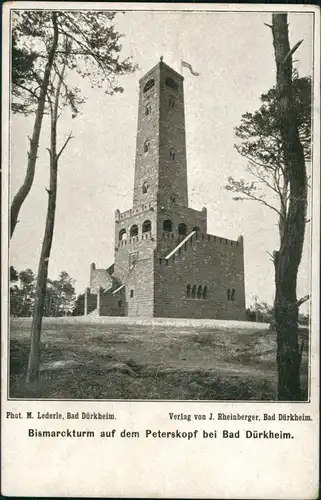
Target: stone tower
146,232
165,262
160,168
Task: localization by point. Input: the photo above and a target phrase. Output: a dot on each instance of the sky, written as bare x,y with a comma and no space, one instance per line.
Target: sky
233,53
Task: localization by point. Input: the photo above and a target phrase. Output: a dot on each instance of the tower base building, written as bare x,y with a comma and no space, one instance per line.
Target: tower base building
166,264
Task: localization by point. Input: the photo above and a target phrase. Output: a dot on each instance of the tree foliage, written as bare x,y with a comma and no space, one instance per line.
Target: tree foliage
79,306
260,143
60,294
94,52
22,292
85,44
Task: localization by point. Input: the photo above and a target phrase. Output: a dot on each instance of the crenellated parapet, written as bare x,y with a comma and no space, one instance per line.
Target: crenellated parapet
209,241
146,207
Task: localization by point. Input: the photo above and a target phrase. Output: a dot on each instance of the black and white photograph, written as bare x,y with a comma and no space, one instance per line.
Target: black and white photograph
161,201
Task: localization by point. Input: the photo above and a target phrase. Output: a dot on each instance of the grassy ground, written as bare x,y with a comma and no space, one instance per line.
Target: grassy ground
115,358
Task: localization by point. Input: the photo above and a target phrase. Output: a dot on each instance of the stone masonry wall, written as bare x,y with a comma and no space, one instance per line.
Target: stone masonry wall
217,264
192,218
172,143
112,304
140,288
99,278
146,163
90,301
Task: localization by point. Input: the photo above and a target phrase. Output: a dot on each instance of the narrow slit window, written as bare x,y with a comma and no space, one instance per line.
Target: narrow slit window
133,259
171,102
150,84
172,155
148,109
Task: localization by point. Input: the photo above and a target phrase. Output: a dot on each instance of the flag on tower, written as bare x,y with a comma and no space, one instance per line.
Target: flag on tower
189,66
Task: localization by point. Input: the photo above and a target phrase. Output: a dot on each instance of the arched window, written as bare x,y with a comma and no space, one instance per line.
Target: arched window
171,102
171,83
145,187
199,292
188,291
233,294
149,84
146,146
133,230
122,235
172,154
194,292
229,294
148,109
182,228
205,292
147,226
167,225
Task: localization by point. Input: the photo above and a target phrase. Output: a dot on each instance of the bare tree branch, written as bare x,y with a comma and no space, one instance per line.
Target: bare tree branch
291,52
64,145
302,300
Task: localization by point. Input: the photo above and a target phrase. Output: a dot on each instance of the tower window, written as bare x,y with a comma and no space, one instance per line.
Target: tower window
133,230
199,292
205,292
233,294
131,293
171,102
147,226
149,84
167,225
146,146
133,259
148,109
188,291
172,154
182,228
145,188
122,235
194,292
170,82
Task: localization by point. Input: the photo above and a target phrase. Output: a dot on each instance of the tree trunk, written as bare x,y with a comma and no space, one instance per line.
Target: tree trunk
24,190
42,276
288,258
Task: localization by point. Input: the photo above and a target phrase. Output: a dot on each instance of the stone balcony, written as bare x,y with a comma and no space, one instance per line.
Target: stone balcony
145,207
